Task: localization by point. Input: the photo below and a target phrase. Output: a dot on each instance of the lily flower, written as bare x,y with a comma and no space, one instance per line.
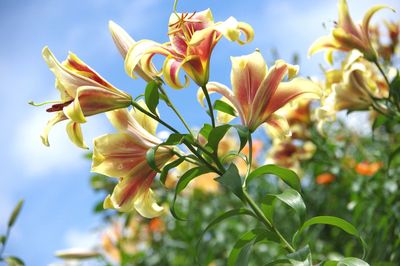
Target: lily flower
354,88
124,42
123,155
83,93
289,155
347,35
192,36
258,92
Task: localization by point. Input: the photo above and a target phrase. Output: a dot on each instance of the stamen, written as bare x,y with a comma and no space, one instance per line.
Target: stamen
43,103
58,107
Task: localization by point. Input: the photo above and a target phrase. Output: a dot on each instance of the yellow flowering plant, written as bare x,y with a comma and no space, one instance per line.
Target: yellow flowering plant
220,156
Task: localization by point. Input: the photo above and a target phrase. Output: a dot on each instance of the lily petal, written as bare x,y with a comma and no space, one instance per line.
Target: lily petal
74,132
368,16
324,42
171,70
278,127
148,123
45,135
146,205
117,154
247,74
142,53
288,91
224,91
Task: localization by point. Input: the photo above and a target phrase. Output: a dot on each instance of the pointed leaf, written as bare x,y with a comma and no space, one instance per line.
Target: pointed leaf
288,176
152,96
14,261
244,134
216,135
293,199
151,158
231,180
330,220
183,182
222,217
167,167
240,252
15,213
225,108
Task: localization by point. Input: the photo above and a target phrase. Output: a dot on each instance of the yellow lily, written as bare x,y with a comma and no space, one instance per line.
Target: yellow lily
124,42
193,36
123,155
347,36
83,93
258,92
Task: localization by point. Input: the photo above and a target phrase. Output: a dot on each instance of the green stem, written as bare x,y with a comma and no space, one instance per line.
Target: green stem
157,118
250,160
210,108
172,106
188,145
267,222
3,246
383,73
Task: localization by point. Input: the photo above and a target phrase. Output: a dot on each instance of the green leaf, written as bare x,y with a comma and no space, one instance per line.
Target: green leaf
151,158
301,257
232,181
174,139
14,261
244,134
345,262
288,176
240,252
352,262
152,96
205,130
379,121
183,182
225,108
216,135
167,167
3,239
293,199
220,218
330,220
15,213
392,155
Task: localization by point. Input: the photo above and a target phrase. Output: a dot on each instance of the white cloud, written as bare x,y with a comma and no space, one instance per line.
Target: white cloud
39,160
77,238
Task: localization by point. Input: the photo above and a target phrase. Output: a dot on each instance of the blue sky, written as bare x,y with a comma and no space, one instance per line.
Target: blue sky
54,181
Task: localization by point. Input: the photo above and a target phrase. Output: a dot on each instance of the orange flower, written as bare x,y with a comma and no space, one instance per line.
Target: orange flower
368,169
156,225
325,178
